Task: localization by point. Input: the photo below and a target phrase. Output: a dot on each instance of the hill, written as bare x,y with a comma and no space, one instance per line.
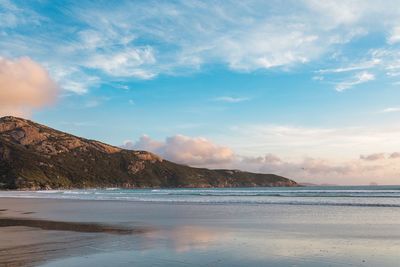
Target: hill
34,156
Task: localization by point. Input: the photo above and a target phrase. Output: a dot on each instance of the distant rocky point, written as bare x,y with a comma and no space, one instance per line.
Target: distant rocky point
34,156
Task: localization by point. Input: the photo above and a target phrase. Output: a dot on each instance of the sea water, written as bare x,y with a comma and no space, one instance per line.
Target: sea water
372,196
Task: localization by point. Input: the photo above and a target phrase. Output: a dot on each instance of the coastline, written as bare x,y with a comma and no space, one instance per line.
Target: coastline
361,196
155,187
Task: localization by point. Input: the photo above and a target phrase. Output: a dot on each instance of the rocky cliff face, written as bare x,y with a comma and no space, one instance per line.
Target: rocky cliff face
33,156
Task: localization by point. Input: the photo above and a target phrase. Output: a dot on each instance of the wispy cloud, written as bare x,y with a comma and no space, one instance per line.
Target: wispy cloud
95,102
126,63
359,78
353,67
382,62
391,109
72,79
394,36
12,16
230,99
92,103
140,40
96,43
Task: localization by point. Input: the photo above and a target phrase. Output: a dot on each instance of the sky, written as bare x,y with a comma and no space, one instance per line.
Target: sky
306,89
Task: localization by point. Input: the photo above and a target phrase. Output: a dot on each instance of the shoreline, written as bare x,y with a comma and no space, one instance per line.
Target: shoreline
231,187
139,188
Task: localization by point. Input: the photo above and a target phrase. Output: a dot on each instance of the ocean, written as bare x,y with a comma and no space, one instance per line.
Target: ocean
362,196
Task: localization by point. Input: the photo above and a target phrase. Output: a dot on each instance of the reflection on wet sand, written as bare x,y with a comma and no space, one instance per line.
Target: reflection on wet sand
142,234
32,241
23,246
69,226
187,237
27,242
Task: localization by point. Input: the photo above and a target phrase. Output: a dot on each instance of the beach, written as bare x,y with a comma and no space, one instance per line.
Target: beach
76,232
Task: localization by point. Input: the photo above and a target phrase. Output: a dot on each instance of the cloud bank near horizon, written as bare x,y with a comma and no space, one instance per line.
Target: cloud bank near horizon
201,152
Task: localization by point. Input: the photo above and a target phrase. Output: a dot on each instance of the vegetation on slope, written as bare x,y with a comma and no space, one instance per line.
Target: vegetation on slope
33,156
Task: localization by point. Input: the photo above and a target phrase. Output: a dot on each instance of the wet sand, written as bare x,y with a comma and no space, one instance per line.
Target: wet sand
42,232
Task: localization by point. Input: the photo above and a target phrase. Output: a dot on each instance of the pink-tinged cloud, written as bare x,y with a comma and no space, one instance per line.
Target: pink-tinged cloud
24,86
201,152
372,157
267,159
196,151
145,143
394,155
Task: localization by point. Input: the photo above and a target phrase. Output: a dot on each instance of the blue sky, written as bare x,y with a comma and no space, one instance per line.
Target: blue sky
307,89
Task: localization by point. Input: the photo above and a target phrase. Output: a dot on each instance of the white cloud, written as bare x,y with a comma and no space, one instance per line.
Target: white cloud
72,79
12,16
24,86
268,47
245,36
236,34
318,78
140,40
92,103
382,62
359,78
389,58
126,63
354,67
338,12
394,35
230,99
391,109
